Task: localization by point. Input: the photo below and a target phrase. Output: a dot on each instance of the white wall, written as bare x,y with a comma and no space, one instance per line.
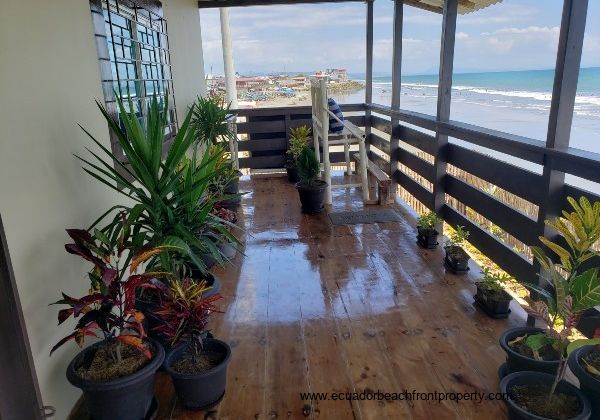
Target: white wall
185,42
49,78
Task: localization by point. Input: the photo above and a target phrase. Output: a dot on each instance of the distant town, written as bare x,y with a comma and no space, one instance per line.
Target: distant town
260,91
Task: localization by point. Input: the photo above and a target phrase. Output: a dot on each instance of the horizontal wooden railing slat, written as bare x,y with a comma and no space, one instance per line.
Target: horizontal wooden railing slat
381,124
510,261
420,166
416,138
509,219
380,143
262,145
414,188
519,181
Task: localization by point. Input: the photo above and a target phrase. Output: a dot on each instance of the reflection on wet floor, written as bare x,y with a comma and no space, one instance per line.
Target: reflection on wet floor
313,307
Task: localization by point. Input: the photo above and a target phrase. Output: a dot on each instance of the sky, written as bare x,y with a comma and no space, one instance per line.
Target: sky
512,35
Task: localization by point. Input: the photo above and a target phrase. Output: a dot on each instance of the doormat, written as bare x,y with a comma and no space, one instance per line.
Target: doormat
364,216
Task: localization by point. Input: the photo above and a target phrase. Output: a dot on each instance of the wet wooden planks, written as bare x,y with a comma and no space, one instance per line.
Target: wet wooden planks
319,308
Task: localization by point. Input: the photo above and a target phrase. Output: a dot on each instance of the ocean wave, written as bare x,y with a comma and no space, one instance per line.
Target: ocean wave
537,96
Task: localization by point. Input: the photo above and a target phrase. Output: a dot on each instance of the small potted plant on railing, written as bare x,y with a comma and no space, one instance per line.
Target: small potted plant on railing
310,188
579,229
197,364
299,137
116,374
426,232
491,296
457,259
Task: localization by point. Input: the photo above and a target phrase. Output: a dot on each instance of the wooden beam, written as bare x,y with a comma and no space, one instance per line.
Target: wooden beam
444,100
369,64
369,73
396,86
423,6
208,4
566,74
20,396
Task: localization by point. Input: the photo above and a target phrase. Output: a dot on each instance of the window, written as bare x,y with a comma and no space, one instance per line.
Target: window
133,49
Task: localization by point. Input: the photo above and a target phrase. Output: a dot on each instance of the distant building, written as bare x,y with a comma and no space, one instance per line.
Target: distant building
245,83
338,75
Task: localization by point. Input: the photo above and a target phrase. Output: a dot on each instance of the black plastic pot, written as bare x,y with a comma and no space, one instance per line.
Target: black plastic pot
492,305
292,172
202,390
427,238
516,362
588,384
233,187
515,412
312,196
228,250
458,264
127,398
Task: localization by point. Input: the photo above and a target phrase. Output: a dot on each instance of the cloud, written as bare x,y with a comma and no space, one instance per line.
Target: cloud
515,34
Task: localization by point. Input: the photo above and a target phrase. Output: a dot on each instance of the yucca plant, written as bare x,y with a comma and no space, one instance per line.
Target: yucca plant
168,201
210,118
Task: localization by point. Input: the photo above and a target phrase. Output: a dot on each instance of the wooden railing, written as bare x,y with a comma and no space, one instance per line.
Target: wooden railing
264,133
525,192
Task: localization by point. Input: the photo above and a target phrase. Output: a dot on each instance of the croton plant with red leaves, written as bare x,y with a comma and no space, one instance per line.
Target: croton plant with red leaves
107,311
185,311
225,214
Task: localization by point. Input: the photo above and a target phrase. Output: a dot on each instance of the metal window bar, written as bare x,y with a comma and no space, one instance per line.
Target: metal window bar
135,59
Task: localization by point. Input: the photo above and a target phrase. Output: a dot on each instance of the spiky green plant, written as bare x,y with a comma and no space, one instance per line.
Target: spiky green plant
308,166
163,195
210,118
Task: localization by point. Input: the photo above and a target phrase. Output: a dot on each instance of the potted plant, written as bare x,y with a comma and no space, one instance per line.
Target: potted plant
212,120
542,394
197,364
491,296
171,195
310,188
426,232
299,137
584,362
579,229
574,290
457,259
117,373
227,248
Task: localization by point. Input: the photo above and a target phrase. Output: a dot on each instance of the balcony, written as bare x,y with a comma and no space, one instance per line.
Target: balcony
310,307
322,308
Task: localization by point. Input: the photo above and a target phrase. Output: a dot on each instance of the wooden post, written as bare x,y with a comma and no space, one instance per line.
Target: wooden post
443,101
369,75
566,75
396,86
20,396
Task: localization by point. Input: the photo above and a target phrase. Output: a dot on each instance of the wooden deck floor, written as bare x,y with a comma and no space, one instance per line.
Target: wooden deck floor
321,308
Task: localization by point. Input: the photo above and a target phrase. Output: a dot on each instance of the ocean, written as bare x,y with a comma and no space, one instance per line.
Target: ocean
517,102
